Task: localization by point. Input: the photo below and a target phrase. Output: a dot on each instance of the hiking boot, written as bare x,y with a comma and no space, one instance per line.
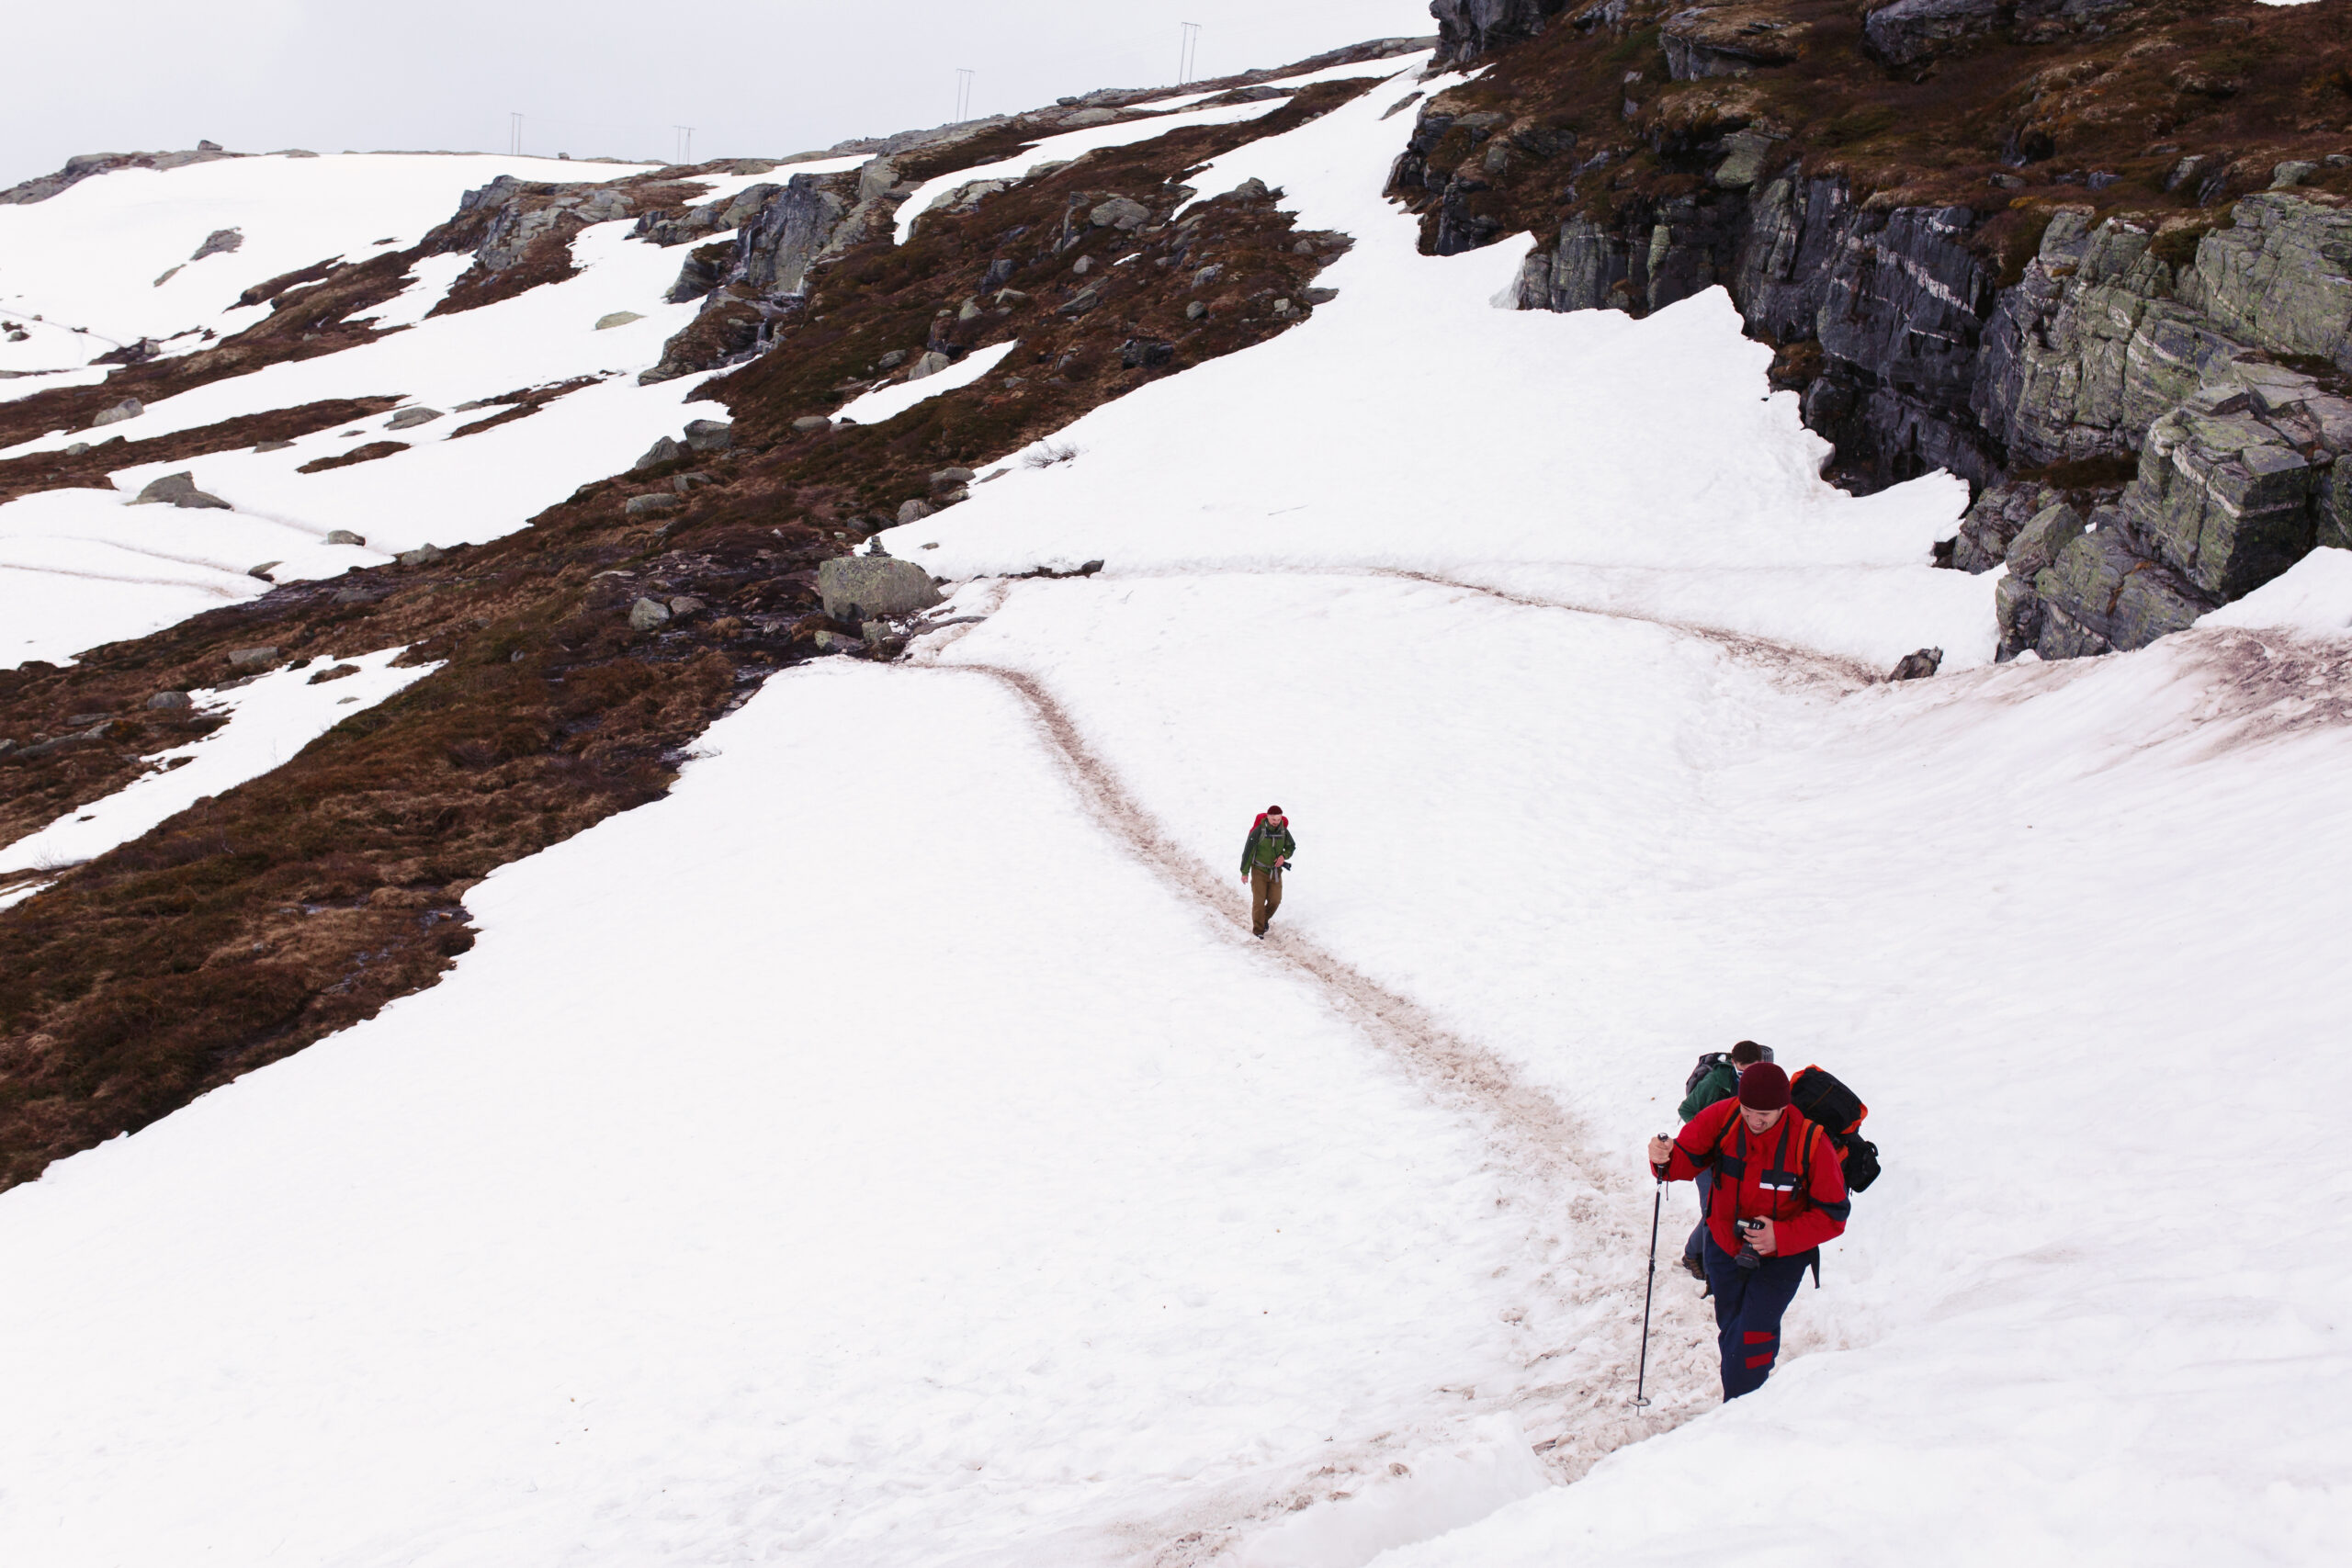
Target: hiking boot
1693,1267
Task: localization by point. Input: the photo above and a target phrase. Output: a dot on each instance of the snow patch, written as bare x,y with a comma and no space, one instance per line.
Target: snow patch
269,720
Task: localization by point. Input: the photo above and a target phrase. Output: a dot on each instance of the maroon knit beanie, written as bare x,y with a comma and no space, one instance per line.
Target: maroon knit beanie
1763,1087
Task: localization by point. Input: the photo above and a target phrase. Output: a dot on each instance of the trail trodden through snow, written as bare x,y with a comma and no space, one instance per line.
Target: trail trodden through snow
1037,1215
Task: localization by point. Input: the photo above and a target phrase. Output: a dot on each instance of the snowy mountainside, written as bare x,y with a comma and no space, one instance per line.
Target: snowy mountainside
694,1068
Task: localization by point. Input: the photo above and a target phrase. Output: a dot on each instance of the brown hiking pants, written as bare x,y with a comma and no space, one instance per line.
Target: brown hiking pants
1265,897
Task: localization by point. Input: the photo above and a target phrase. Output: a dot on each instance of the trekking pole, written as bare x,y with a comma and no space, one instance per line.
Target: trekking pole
1641,1379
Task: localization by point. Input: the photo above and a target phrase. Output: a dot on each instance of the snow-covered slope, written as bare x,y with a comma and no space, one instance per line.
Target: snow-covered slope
892,1148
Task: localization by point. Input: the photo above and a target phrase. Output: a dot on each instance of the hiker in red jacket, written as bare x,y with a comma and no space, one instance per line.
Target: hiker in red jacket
1778,1193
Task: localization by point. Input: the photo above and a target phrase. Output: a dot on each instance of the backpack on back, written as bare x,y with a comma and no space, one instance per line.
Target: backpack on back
1820,1098
1707,1063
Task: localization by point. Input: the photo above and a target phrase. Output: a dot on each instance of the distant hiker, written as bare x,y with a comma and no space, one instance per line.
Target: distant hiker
1265,855
1715,1078
1777,1196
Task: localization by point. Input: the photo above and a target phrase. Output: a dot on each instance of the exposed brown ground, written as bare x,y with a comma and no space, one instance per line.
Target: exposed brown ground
2249,86
262,919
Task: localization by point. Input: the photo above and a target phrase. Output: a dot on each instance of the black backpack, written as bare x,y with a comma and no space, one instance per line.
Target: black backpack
1821,1099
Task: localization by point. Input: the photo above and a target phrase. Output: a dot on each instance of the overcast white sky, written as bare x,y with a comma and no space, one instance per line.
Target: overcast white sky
592,76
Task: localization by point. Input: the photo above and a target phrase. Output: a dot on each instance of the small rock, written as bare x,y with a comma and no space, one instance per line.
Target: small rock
129,408
915,511
251,659
1086,299
654,505
1207,276
648,614
1195,310
1011,296
663,451
1251,189
178,490
1120,213
1084,118
930,364
682,483
273,445
355,596
78,450
168,273
345,537
1918,665
1145,354
1284,310
2293,173
1082,266
85,721
170,702
617,319
218,242
1000,273
809,423
687,605
710,435
835,642
970,312
424,555
1321,295
262,571
409,418
891,360
946,479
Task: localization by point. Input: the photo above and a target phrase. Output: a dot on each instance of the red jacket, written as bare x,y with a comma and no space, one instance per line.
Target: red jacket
1789,1175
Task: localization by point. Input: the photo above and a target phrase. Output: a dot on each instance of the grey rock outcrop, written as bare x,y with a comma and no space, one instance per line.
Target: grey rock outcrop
710,435
178,490
409,418
1468,29
648,614
1995,519
83,165
218,243
856,588
665,450
251,660
129,408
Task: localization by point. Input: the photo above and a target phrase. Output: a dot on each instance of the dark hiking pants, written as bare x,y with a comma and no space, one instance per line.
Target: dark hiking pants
1265,897
1749,1305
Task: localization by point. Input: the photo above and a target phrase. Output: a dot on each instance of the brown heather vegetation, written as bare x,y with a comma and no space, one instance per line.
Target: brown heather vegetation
1999,124
262,919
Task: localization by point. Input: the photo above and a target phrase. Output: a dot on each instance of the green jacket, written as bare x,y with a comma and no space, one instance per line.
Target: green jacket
1721,1083
1265,851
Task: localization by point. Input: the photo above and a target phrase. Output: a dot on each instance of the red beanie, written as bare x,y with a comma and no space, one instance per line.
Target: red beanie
1763,1087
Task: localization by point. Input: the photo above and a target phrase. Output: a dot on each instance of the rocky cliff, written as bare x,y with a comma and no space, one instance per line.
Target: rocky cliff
2091,255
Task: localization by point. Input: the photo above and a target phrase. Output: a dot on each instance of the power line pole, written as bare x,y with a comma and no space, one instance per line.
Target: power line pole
515,133
963,77
1188,51
684,143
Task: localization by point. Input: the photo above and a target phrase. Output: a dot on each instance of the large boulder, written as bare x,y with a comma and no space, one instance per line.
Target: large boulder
178,490
857,587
